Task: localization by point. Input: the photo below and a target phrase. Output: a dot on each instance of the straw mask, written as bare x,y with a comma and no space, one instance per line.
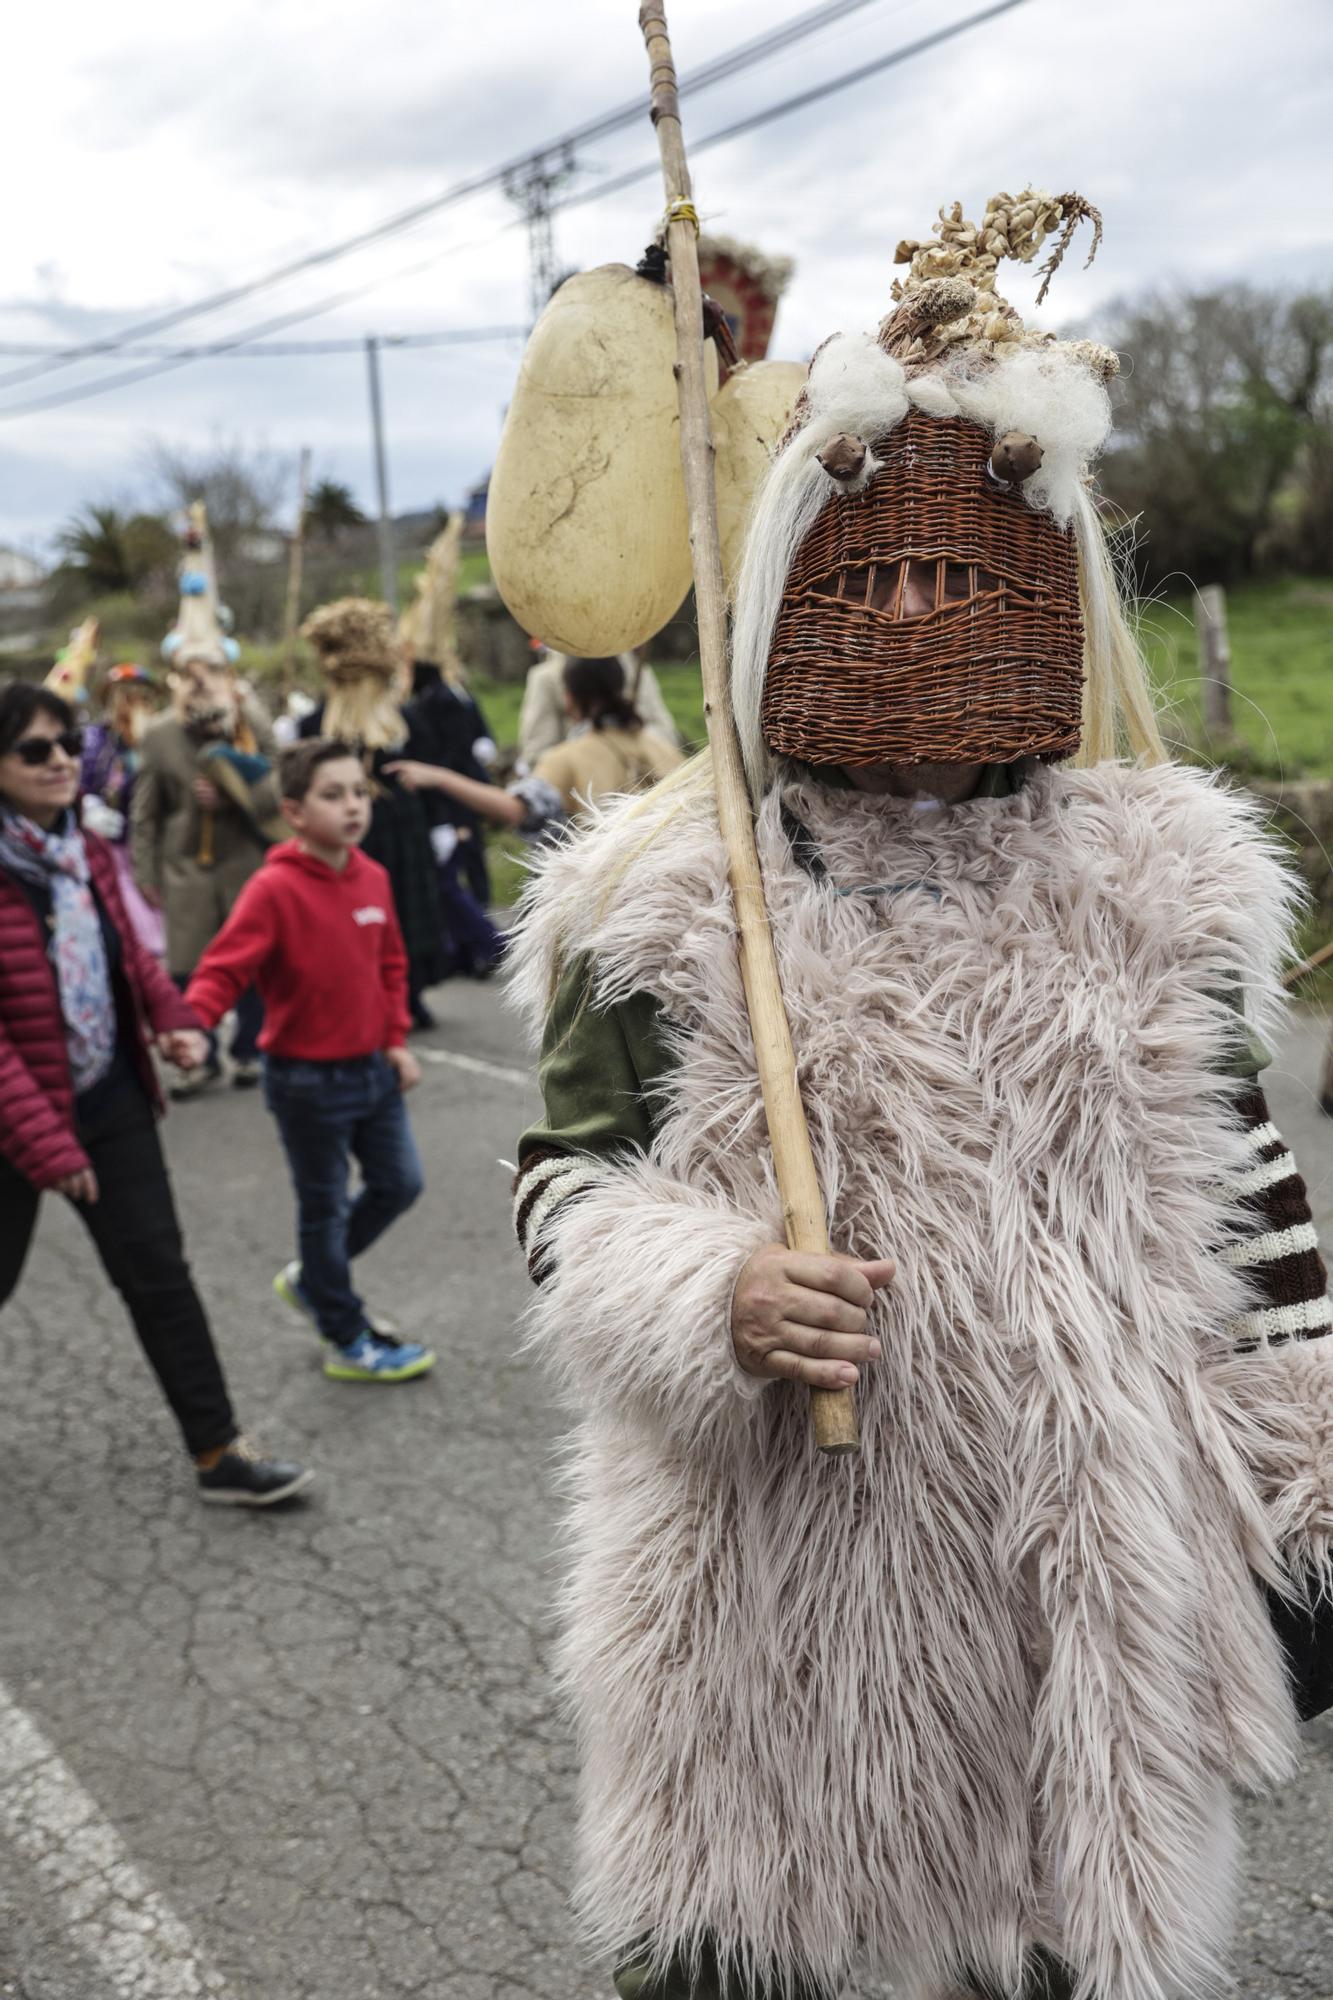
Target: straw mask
931,609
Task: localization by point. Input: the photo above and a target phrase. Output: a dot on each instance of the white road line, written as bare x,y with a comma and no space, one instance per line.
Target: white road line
476,1064
141,1948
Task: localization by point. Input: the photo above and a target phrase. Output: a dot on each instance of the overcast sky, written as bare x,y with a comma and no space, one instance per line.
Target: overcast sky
153,154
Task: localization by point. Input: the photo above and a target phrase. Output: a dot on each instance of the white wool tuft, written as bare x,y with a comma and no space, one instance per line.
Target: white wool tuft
1052,396
931,393
853,386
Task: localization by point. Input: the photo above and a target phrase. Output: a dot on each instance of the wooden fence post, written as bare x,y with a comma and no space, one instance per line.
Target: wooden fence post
1215,659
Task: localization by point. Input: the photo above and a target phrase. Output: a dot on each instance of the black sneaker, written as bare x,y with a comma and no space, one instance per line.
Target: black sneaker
241,1478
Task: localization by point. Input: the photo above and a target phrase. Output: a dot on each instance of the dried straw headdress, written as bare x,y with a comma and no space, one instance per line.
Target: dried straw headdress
948,298
360,657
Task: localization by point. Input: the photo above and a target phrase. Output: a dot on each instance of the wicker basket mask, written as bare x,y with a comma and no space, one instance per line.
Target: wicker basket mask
932,618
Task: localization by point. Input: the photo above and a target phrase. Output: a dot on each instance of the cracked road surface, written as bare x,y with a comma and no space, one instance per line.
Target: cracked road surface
322,1745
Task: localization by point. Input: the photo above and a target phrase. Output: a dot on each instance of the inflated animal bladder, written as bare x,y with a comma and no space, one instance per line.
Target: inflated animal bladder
586,526
750,413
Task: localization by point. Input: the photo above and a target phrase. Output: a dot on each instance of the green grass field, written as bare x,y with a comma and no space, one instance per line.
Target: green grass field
1281,672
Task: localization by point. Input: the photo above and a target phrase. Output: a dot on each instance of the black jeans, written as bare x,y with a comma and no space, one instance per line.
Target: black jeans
134,1228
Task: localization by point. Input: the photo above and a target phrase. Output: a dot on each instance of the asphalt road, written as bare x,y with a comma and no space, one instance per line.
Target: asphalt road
315,1757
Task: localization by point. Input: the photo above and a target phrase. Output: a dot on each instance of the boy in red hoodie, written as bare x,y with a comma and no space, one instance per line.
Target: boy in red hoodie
315,930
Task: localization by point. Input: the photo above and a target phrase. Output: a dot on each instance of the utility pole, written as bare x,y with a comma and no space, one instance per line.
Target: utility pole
530,187
388,565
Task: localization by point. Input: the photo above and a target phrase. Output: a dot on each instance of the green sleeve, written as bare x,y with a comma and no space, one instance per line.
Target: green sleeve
1246,1054
601,1070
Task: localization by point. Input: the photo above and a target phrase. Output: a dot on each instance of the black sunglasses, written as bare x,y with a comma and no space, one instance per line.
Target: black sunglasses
36,750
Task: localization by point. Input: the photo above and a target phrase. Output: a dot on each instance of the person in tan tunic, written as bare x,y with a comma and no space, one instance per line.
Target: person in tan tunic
545,720
610,751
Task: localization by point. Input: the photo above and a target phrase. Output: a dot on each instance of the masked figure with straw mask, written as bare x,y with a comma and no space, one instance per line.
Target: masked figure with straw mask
365,675
204,808
969,1706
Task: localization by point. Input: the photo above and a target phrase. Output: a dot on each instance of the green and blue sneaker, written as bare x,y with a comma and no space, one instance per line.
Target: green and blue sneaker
370,1358
288,1287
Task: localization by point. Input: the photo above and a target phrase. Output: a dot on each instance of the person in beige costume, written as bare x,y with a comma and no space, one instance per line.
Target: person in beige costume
545,720
609,752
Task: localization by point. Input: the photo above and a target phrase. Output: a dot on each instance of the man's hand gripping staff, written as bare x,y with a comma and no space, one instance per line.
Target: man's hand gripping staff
802,1318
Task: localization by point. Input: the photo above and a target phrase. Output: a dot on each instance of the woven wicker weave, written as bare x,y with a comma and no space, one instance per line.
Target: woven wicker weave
993,672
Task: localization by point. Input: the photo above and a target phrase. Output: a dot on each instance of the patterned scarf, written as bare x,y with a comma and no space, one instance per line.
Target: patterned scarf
58,862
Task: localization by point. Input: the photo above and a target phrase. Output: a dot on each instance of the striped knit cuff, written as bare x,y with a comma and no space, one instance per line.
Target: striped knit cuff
546,1179
1277,1248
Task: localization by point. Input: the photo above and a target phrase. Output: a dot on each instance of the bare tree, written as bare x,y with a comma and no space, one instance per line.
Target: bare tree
1225,425
242,487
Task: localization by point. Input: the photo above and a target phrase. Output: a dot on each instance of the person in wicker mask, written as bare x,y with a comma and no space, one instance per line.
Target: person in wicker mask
969,1706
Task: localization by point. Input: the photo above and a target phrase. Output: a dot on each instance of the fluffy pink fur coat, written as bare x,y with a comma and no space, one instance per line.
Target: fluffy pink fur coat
989,1682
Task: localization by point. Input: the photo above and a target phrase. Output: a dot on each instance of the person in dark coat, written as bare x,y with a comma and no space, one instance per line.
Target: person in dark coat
80,998
449,730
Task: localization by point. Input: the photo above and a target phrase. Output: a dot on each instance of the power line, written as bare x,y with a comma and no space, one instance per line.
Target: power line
797,103
286,349
735,130
234,343
728,64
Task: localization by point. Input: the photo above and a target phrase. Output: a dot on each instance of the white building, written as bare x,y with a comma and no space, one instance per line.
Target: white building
19,571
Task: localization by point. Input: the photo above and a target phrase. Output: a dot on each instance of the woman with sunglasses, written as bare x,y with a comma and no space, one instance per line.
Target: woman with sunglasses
79,1000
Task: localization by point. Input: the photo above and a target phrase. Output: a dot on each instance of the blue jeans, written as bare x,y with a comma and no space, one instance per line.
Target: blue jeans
329,1113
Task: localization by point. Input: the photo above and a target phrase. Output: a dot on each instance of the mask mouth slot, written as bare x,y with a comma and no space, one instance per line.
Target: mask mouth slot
917,587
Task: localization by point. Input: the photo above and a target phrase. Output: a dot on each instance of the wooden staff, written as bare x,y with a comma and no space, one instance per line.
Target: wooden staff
1321,957
833,1410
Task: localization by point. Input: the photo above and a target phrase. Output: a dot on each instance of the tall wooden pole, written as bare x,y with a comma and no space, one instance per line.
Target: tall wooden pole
833,1410
292,614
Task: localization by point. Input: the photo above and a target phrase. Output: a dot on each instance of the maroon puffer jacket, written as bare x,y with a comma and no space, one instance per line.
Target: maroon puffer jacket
36,1094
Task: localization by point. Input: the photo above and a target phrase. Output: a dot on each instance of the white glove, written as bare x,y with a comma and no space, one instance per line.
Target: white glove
443,840
485,752
101,818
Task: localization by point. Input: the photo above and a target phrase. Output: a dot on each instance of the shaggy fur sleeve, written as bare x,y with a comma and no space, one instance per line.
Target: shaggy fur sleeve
635,1315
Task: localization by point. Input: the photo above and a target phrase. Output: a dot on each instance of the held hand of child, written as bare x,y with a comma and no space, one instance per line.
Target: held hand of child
79,1187
207,794
802,1318
406,1067
185,1047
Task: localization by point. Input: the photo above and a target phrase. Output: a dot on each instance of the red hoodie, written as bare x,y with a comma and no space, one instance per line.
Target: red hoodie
324,948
